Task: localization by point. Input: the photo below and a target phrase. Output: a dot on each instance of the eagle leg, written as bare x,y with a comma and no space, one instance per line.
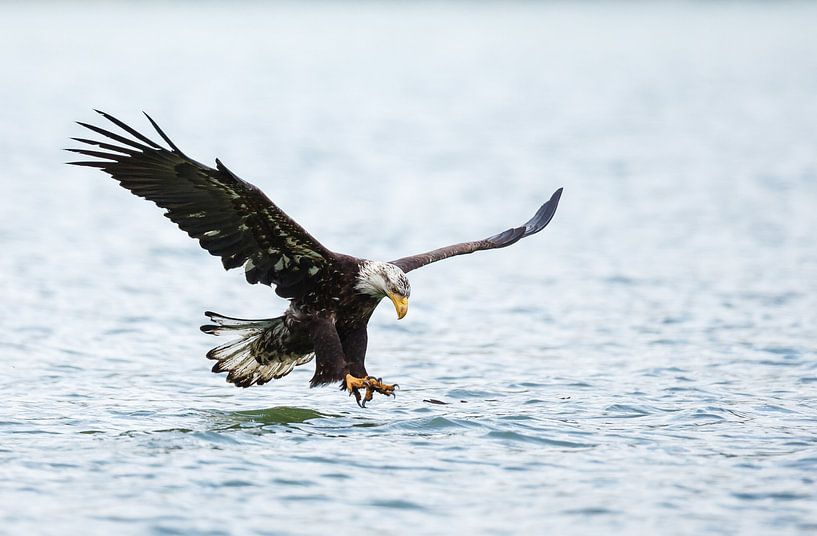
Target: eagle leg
371,385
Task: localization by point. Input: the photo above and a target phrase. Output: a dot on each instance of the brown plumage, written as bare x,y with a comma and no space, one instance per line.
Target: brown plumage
332,296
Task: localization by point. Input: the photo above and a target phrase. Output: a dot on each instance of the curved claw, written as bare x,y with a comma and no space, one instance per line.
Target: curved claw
357,397
371,385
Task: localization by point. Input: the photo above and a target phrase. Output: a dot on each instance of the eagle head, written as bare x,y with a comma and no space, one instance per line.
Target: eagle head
382,279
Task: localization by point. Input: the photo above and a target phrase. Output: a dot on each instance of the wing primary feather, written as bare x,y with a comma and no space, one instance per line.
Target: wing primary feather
108,146
162,134
128,129
544,214
117,137
88,163
98,154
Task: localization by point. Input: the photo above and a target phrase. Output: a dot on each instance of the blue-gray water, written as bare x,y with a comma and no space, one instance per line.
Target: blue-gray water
644,365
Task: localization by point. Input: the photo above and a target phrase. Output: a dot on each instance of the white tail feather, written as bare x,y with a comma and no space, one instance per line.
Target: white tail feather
259,355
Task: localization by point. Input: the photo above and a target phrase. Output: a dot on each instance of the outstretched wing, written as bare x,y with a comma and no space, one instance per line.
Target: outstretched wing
501,240
230,218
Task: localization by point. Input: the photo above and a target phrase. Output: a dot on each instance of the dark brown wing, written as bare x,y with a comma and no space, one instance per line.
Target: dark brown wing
230,218
501,240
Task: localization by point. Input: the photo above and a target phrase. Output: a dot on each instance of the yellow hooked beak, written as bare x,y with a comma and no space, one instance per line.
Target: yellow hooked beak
400,304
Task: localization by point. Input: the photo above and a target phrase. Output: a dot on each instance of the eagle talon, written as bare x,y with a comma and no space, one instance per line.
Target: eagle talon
377,384
369,395
353,385
356,392
371,384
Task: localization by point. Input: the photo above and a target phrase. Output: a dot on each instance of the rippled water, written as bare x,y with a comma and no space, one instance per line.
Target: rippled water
645,365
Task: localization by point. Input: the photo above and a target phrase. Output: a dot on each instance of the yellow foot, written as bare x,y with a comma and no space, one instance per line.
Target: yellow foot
371,384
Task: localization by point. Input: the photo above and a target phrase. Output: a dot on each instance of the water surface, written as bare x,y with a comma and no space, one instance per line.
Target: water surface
646,364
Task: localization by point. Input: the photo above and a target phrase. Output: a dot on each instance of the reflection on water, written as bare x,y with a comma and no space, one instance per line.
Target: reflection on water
268,417
644,365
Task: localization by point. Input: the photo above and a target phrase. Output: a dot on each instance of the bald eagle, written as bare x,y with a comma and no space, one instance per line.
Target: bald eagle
331,295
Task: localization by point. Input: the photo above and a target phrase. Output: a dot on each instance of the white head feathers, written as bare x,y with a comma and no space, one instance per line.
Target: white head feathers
378,279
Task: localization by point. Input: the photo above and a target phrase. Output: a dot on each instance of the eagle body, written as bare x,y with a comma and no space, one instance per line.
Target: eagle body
306,330
331,295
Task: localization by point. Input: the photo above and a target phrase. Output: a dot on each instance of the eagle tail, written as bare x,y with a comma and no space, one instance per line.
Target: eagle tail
258,355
